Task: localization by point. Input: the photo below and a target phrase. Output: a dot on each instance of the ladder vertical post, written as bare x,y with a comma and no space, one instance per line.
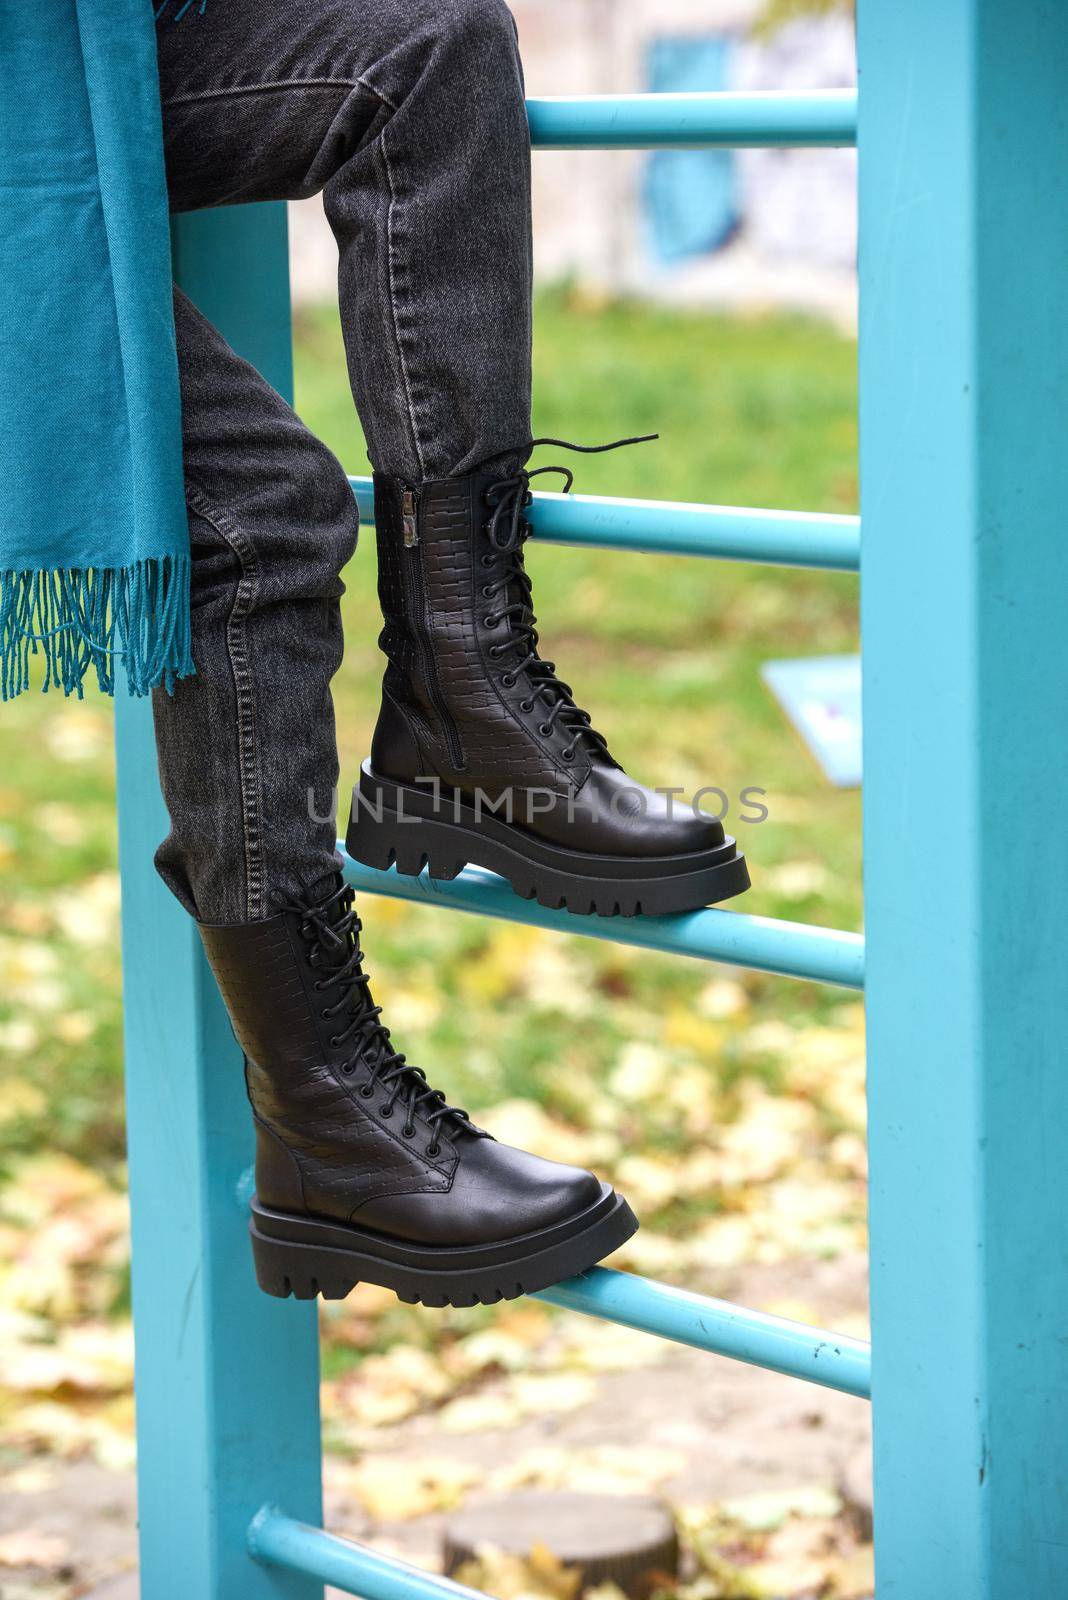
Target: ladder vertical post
226,1378
964,577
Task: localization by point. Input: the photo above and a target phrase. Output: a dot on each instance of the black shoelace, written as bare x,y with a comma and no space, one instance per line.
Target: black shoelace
333,930
507,531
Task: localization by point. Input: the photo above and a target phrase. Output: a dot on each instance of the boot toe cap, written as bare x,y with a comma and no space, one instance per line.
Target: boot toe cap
638,821
686,831
538,1193
497,1193
500,1192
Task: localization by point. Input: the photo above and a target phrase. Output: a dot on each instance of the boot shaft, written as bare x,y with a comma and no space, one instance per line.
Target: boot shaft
452,705
363,1172
319,1072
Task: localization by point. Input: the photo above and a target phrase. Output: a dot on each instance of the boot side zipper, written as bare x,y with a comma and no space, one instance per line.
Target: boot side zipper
419,610
409,515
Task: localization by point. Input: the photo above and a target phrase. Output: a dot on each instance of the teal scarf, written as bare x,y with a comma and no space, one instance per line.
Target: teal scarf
94,543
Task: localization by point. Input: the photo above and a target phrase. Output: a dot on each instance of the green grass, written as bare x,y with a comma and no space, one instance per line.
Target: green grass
665,652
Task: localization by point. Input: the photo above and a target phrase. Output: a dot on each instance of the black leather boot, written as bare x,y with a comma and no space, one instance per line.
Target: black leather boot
480,754
363,1172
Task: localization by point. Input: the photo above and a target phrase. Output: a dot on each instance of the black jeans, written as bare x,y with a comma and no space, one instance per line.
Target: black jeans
408,115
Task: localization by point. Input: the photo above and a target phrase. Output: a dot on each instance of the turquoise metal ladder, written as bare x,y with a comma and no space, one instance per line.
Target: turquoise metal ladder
963,168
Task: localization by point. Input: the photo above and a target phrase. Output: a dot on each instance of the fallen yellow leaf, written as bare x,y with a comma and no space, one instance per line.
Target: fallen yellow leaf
394,1490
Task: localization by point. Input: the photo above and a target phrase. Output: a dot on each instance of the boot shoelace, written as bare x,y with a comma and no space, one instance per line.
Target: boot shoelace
335,950
508,531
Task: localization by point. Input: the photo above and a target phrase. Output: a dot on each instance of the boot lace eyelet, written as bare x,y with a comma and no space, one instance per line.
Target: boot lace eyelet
545,728
334,1041
385,1111
366,1091
509,680
487,590
526,705
569,753
487,561
494,652
348,1069
433,1149
489,620
408,1130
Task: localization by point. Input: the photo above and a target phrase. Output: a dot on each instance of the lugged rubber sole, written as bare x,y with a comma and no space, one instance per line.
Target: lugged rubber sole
390,825
307,1256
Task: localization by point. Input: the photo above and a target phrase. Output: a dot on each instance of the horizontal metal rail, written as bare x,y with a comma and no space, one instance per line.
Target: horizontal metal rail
281,1541
671,527
690,121
791,949
792,1348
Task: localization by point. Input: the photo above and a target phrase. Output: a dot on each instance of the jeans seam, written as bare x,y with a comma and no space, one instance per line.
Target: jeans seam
246,591
270,88
364,82
391,208
273,84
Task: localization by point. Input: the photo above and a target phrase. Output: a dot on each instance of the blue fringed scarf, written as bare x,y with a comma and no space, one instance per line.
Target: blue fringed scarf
94,543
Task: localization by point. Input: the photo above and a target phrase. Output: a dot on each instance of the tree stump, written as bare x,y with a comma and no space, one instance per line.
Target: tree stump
628,1540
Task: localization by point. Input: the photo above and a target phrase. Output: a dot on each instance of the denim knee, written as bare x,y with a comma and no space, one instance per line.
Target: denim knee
336,514
474,31
316,535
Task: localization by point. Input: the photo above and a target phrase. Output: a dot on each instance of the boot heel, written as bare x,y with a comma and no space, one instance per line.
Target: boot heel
283,1270
411,857
379,837
270,1262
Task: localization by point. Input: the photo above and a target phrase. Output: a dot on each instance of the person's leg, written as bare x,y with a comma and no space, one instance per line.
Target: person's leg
363,1172
409,116
247,754
411,119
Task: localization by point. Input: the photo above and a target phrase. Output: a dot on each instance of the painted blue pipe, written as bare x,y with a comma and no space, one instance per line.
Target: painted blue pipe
280,1541
724,1329
792,949
670,527
688,121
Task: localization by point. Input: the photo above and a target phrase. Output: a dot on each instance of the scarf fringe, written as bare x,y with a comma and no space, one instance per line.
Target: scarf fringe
80,618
